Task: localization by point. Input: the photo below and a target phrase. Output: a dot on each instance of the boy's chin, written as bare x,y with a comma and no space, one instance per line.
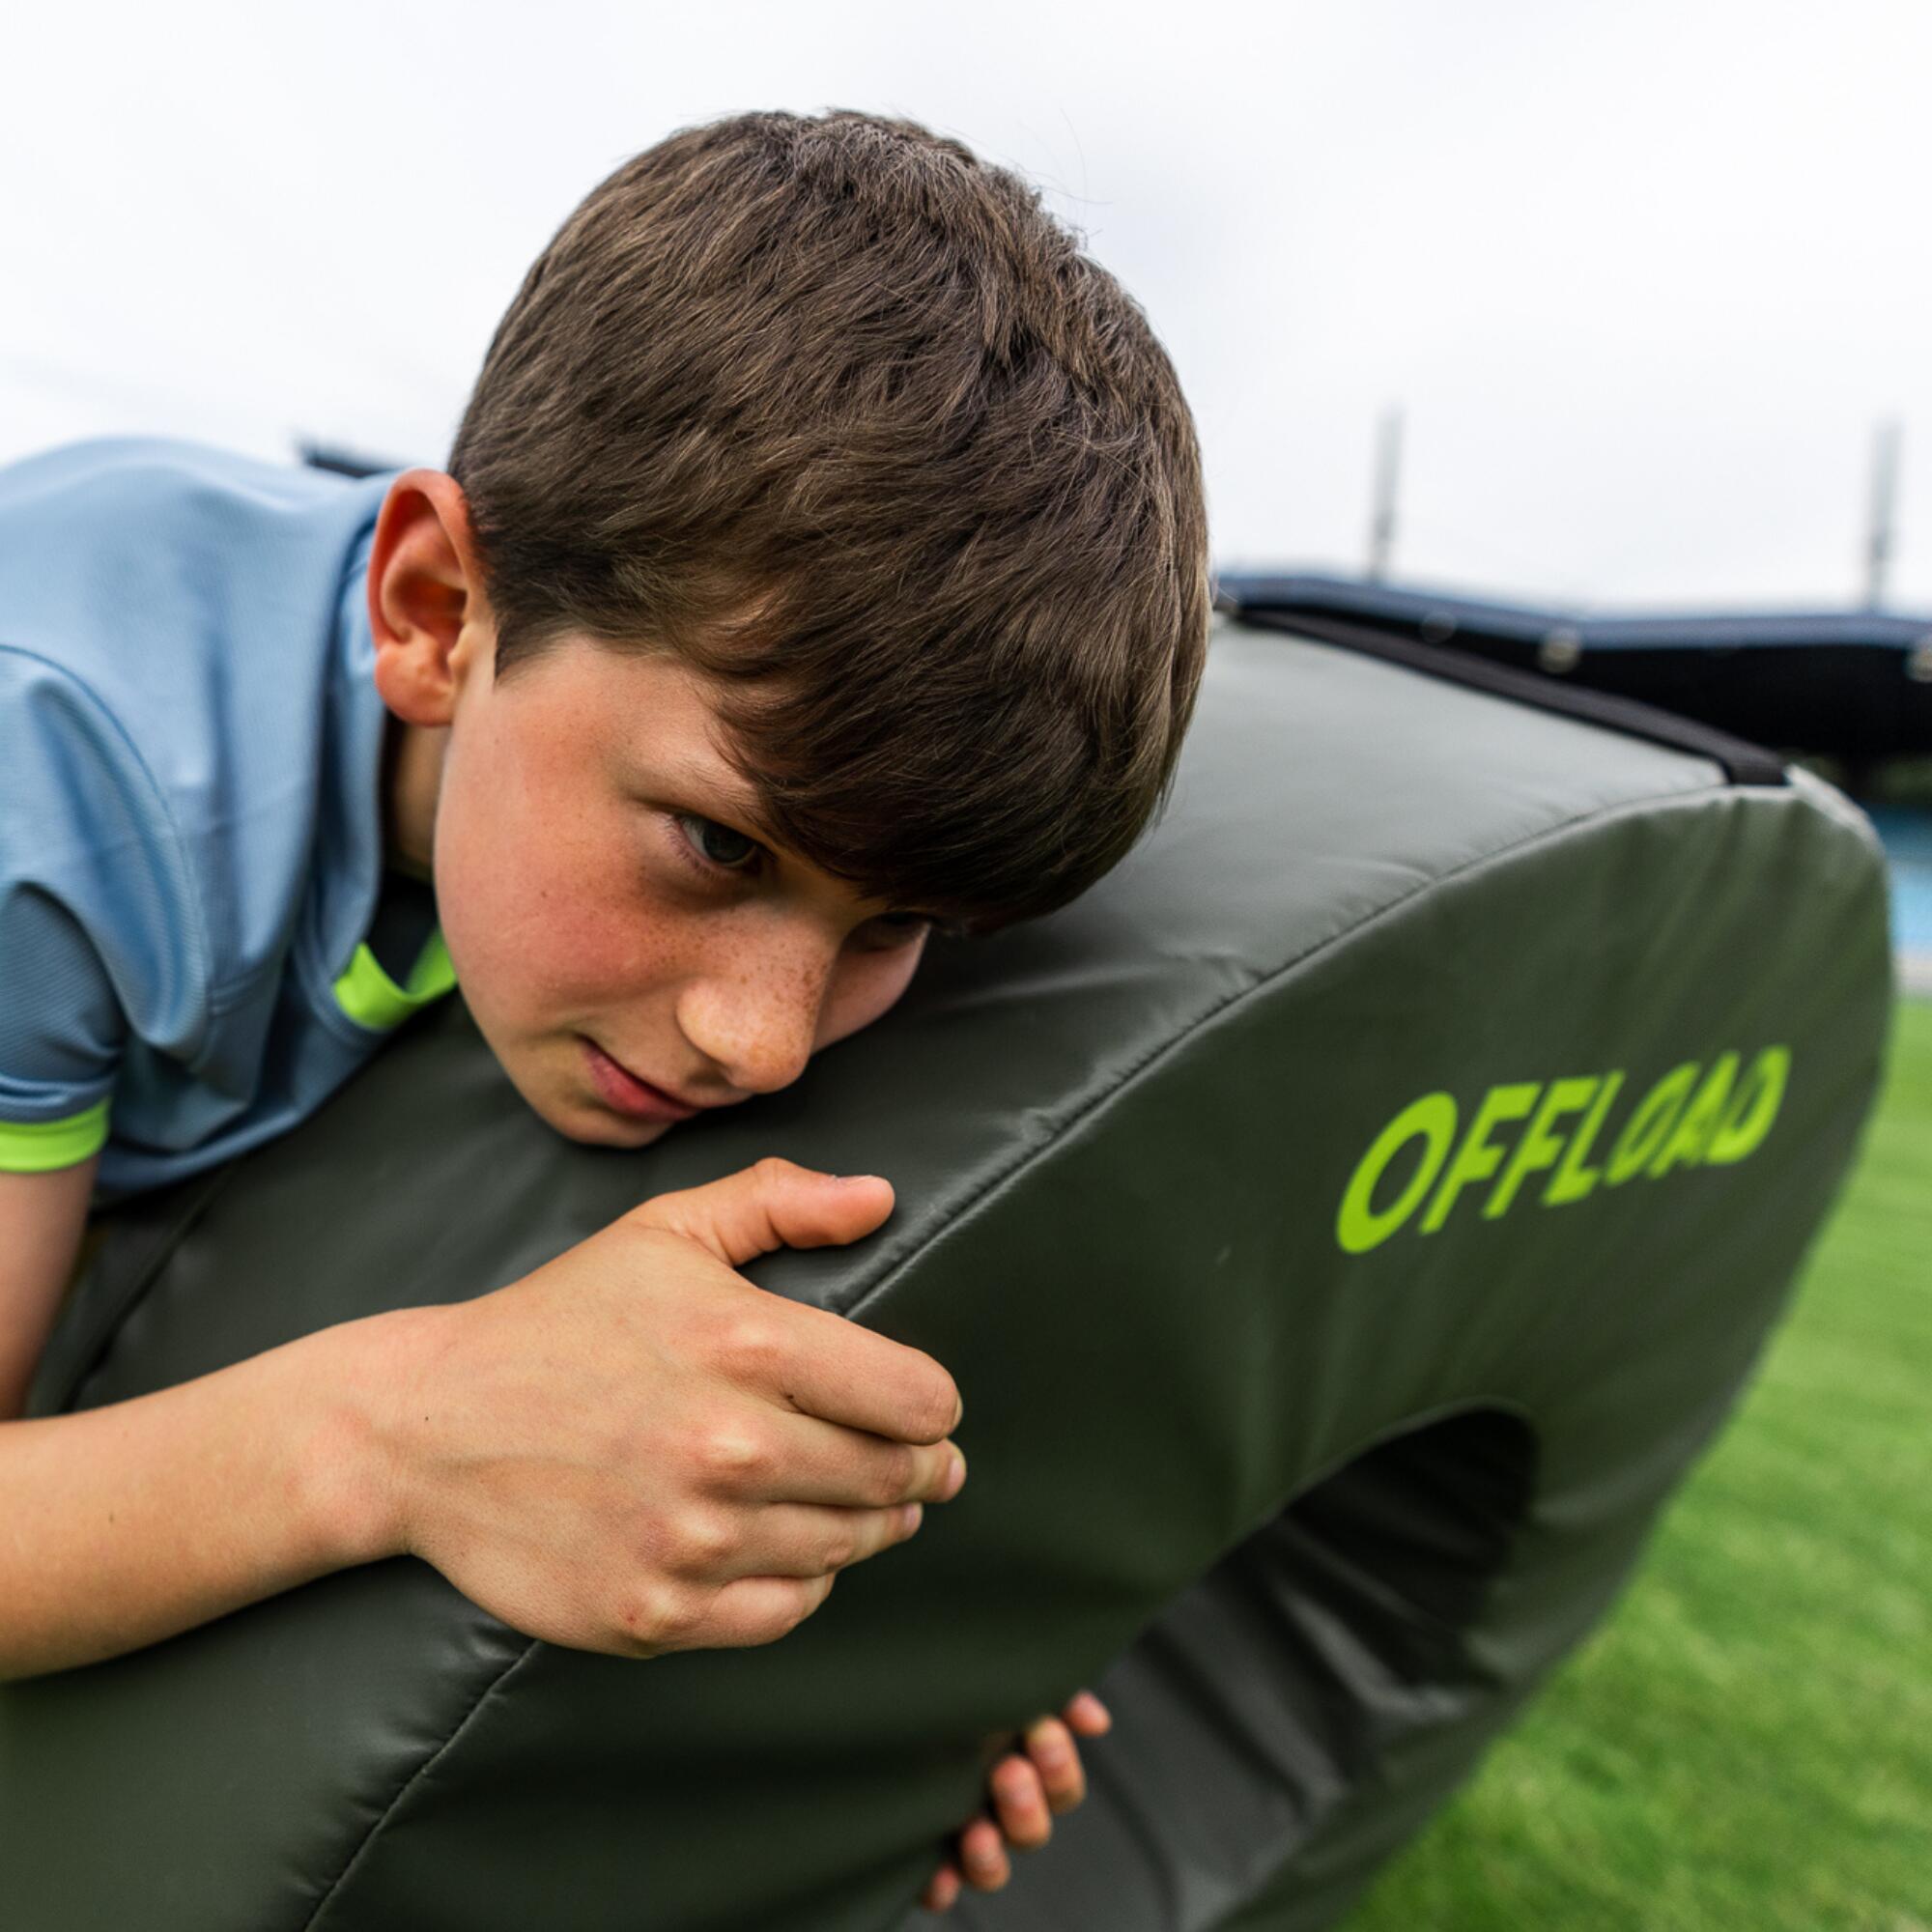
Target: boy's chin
594,1127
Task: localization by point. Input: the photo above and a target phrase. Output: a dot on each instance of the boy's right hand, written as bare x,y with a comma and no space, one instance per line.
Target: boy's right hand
633,1450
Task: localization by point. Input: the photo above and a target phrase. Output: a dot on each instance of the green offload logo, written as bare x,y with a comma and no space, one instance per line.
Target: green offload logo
1691,1118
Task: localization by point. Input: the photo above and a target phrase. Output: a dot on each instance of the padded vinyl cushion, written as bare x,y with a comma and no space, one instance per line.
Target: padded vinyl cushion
1293,1421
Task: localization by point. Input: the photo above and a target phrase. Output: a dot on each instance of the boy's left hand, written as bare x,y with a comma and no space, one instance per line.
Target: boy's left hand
1048,1778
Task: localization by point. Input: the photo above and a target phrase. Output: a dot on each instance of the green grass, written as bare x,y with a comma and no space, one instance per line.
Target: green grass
1746,1745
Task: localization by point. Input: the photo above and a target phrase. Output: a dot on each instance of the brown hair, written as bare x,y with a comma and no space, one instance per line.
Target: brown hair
841,416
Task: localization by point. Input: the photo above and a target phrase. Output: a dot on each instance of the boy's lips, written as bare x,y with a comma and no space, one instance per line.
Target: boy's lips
625,1094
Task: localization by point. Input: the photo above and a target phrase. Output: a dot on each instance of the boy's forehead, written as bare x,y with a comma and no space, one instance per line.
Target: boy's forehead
673,746
664,727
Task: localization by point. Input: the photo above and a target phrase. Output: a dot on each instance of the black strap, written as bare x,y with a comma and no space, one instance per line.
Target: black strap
1743,762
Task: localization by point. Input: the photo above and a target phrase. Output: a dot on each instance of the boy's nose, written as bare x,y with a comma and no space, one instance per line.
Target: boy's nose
758,1026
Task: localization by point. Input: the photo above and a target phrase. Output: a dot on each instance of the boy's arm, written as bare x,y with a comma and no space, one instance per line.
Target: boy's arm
632,1450
125,1524
43,1218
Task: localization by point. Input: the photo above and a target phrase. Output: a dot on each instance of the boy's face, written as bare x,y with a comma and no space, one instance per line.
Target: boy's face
605,896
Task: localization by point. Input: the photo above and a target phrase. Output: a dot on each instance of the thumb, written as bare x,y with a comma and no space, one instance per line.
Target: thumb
774,1203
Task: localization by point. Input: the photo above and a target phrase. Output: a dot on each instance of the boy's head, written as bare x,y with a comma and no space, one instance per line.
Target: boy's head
816,486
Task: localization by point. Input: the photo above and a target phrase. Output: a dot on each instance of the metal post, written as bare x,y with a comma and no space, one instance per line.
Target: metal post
1381,516
1883,502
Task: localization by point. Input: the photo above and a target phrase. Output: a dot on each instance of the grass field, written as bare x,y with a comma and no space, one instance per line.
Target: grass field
1746,1745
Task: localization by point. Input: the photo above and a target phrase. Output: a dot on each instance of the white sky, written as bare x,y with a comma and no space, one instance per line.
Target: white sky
1643,275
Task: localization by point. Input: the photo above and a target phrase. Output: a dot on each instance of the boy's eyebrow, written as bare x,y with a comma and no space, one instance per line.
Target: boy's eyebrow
721,791
718,789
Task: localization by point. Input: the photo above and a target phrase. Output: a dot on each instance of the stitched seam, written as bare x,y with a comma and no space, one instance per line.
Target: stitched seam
865,1295
411,1783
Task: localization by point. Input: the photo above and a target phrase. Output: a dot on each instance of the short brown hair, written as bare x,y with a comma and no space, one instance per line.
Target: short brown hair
841,416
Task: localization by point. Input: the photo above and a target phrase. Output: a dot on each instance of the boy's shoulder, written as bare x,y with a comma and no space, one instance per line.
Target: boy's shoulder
160,513
142,566
102,488
163,461
190,838
185,668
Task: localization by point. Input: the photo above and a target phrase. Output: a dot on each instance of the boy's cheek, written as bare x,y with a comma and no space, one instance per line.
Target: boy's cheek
545,955
868,993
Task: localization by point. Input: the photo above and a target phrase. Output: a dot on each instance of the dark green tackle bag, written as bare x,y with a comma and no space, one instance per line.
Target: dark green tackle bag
1346,1225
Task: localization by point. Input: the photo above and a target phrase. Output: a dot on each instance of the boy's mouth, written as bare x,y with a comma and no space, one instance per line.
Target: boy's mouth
625,1094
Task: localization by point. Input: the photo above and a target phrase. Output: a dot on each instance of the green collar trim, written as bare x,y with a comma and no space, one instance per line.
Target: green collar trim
373,1000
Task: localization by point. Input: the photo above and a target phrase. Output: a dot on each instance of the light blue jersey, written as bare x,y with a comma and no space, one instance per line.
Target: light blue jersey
190,811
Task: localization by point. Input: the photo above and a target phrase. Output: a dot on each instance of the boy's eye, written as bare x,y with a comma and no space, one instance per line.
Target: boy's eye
719,843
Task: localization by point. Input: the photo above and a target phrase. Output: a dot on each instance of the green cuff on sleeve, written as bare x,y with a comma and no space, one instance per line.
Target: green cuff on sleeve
39,1146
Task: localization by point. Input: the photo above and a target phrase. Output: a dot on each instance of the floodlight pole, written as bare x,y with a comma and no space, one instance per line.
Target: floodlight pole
1883,501
1382,513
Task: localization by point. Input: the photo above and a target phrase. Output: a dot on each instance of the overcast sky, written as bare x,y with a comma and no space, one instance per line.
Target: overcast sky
1644,276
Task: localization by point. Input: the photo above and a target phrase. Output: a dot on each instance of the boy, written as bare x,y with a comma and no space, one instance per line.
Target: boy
821,558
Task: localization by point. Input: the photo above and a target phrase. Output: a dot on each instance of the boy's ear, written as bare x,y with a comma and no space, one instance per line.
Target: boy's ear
428,616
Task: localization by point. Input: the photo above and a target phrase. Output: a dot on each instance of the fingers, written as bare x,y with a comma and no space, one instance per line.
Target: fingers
774,1204
831,1368
1086,1714
1054,1758
798,1459
982,1856
1028,1792
804,1540
808,1359
1020,1800
942,1889
754,1610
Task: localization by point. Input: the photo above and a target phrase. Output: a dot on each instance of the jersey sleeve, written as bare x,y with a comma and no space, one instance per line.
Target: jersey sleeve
98,921
61,1035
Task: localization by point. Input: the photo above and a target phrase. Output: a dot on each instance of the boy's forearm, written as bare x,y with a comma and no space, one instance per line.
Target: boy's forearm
123,1525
